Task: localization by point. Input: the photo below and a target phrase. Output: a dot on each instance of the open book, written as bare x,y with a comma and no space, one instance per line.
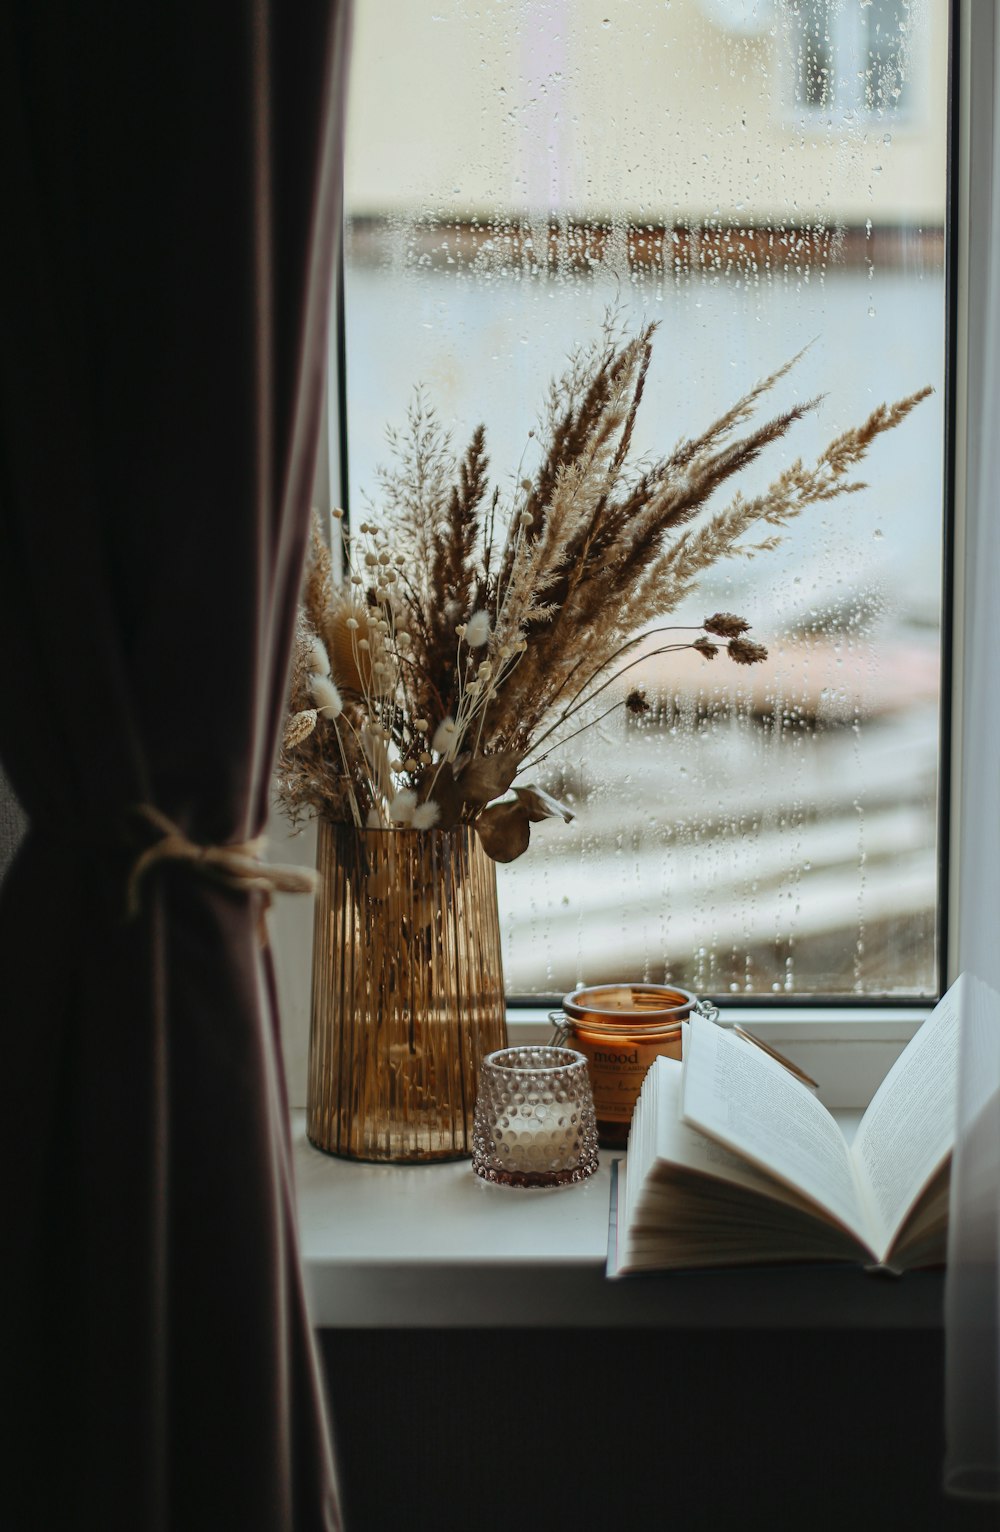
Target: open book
732,1161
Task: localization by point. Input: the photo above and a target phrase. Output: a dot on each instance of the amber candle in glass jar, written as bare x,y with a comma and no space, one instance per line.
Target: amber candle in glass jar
620,1029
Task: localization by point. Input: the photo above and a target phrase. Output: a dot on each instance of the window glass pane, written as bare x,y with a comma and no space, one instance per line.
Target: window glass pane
815,76
759,177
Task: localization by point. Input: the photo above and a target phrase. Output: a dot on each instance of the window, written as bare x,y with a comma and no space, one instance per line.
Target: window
852,61
513,169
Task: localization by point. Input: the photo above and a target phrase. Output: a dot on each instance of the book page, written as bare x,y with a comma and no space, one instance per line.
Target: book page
909,1128
749,1102
680,1144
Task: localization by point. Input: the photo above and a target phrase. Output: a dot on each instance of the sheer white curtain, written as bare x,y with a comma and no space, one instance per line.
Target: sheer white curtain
972,1293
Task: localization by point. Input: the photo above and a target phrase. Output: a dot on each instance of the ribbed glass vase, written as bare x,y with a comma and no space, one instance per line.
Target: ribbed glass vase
407,991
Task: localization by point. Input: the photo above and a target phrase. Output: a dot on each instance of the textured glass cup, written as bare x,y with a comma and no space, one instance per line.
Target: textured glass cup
407,993
534,1123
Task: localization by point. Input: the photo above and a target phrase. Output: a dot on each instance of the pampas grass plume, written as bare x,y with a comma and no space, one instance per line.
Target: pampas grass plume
561,576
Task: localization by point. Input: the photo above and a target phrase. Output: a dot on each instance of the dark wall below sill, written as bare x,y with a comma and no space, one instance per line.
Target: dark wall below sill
589,1431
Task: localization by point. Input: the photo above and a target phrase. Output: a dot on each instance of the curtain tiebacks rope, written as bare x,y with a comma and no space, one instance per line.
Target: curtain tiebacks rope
237,865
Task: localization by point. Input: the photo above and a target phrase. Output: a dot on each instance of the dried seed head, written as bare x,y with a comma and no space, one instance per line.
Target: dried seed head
726,625
705,647
745,652
300,726
636,702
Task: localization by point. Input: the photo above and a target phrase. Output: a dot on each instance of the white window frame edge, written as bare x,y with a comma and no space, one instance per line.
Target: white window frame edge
976,89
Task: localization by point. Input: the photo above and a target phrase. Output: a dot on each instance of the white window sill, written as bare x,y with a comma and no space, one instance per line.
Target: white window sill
431,1246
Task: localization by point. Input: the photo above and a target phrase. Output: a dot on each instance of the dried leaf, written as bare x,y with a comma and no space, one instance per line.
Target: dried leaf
489,777
504,830
541,805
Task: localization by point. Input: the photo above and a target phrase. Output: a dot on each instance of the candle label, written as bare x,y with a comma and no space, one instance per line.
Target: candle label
618,1068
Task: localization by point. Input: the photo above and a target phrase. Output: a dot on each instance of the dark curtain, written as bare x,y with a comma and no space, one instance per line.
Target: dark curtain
12,825
168,203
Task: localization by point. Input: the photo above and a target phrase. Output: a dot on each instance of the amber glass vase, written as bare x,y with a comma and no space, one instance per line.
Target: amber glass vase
407,992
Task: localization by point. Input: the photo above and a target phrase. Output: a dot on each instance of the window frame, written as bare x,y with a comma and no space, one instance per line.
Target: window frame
975,34
847,51
850,1041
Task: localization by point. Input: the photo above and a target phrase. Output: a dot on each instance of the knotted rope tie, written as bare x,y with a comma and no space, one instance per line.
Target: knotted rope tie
236,866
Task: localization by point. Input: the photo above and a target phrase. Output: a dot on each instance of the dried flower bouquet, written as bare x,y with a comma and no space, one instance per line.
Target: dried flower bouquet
471,632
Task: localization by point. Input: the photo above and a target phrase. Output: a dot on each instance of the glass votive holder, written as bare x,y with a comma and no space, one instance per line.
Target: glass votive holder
534,1121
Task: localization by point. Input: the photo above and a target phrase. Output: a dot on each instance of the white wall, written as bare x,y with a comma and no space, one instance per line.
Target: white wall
290,924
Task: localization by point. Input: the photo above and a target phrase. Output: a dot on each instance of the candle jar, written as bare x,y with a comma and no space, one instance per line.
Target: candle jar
534,1120
620,1029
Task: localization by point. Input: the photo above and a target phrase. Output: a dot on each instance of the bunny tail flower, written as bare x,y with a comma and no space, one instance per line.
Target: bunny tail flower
426,816
477,630
326,696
